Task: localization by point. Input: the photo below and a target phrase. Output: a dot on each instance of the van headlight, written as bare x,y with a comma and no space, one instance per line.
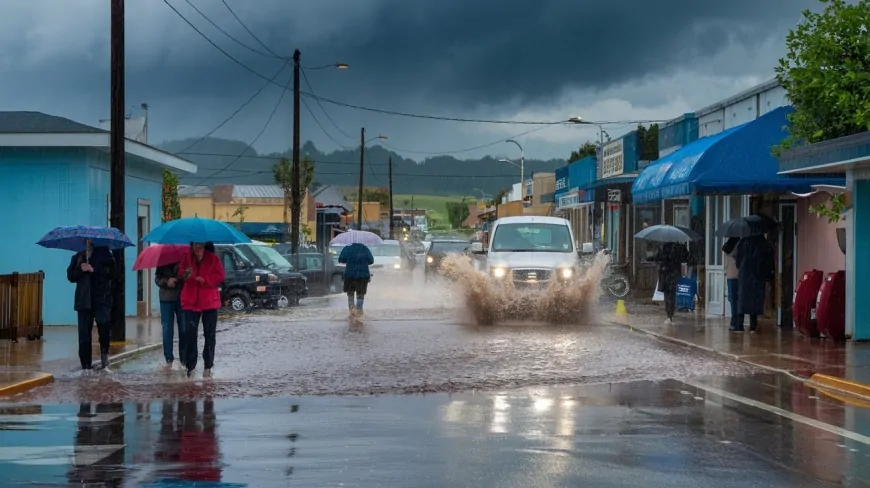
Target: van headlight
499,272
566,273
397,266
430,259
273,278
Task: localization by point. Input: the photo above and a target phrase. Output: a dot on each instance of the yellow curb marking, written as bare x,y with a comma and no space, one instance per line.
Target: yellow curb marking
841,385
21,386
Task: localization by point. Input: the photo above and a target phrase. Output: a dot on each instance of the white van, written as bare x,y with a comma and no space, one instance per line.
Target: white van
529,250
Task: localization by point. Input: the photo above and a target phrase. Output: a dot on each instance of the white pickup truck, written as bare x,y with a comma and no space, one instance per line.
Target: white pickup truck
531,251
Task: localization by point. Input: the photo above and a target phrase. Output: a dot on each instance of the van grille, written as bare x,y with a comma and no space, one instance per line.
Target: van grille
526,275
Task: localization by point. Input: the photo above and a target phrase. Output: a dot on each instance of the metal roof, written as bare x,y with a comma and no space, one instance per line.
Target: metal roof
257,191
40,123
194,191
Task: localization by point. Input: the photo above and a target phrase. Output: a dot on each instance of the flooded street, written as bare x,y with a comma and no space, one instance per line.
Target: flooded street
416,339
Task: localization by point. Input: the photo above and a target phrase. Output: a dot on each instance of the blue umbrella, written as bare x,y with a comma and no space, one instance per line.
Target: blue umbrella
74,238
195,229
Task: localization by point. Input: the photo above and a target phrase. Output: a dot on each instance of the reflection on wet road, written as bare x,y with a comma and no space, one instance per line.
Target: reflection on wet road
639,434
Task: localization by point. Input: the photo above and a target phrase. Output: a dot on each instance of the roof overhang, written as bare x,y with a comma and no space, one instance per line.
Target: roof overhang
833,167
98,140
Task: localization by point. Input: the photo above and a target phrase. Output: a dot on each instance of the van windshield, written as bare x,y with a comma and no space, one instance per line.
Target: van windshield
531,237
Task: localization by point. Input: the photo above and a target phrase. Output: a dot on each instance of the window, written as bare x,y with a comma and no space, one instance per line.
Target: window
448,247
269,257
645,216
529,237
386,250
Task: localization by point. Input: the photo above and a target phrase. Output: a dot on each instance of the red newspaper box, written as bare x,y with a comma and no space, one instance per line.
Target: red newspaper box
831,309
804,305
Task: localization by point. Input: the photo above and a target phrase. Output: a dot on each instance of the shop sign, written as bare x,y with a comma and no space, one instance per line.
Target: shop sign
562,183
611,162
569,199
614,196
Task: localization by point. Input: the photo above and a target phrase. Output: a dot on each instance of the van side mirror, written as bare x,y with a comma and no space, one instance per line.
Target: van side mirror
588,248
477,248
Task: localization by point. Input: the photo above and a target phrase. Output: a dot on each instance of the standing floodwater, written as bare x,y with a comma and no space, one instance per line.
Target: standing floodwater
490,300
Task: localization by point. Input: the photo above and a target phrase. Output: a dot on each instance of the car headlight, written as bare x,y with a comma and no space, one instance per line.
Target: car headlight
566,273
397,266
499,272
273,278
430,259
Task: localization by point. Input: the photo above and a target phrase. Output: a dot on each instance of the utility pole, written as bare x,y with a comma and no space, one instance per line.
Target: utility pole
362,154
295,191
117,169
390,180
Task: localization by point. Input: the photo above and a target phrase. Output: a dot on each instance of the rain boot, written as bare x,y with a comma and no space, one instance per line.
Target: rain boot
104,359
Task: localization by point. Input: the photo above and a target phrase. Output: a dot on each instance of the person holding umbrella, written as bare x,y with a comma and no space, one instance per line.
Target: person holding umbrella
670,257
170,283
92,271
203,275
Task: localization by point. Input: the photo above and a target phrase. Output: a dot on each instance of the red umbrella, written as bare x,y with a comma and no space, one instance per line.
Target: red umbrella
160,255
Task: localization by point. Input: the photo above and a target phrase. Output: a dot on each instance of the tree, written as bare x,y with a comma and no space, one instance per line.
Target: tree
587,149
826,72
648,142
283,172
457,212
171,204
499,195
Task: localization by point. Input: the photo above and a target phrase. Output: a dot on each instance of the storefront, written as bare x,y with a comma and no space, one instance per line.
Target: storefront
725,168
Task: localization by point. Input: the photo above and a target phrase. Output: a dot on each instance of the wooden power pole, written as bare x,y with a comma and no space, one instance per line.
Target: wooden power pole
117,168
390,179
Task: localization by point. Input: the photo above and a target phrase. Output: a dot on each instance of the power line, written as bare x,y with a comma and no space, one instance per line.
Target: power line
351,173
311,89
240,43
265,126
311,112
249,31
236,112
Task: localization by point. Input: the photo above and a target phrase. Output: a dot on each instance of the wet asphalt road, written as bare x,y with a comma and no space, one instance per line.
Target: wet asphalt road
637,434
314,351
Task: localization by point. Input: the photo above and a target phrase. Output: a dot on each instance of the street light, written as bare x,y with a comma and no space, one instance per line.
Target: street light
601,134
522,160
295,190
362,153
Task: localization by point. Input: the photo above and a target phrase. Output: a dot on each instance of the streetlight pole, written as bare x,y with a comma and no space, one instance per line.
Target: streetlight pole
362,154
118,167
295,190
522,161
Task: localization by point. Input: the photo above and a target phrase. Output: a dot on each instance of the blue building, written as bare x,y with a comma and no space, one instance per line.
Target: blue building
56,172
572,200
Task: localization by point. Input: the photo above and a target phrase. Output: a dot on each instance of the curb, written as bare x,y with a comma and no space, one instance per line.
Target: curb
728,355
839,385
126,355
22,386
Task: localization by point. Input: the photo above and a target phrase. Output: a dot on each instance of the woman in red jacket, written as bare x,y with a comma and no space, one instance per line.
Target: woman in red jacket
203,274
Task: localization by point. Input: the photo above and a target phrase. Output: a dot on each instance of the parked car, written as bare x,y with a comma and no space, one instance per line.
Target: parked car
245,285
440,249
322,273
294,285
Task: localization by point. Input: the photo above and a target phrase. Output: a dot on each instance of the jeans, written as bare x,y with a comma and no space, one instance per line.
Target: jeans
733,298
209,330
86,319
171,314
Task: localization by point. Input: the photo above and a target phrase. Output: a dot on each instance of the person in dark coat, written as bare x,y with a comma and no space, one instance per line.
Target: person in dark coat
755,268
671,257
357,258
93,271
170,283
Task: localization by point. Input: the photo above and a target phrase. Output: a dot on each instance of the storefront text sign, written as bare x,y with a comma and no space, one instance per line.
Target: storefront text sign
614,196
612,163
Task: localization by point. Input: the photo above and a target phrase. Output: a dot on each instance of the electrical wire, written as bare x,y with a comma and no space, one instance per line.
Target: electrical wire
257,138
234,39
411,175
273,53
236,112
316,121
311,89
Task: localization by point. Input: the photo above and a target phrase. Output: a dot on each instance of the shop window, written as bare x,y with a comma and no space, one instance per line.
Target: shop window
645,216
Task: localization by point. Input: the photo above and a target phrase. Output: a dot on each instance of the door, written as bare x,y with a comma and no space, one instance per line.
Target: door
143,276
720,209
787,261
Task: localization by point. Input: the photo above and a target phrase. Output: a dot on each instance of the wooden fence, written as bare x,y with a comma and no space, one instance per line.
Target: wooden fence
21,306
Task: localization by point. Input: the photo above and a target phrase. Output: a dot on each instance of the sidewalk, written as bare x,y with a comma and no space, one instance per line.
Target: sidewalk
840,366
28,364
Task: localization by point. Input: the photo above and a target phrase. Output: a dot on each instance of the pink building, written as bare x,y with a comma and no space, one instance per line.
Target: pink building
817,239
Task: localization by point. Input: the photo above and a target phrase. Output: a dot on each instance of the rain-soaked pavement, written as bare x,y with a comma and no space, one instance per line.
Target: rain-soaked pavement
637,434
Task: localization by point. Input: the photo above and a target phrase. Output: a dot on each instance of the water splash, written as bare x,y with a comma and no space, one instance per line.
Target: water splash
489,300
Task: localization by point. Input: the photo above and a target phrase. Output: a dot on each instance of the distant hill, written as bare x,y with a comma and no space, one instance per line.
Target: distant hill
219,163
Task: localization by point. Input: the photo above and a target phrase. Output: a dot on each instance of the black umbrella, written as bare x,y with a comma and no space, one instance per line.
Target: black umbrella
743,227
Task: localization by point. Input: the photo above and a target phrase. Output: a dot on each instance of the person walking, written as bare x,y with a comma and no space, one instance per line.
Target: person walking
92,271
203,275
357,258
671,257
733,283
170,285
755,267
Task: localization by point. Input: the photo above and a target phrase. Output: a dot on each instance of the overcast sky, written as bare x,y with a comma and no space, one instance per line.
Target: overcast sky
603,60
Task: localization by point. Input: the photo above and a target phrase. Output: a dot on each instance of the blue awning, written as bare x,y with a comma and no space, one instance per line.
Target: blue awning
613,180
736,161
